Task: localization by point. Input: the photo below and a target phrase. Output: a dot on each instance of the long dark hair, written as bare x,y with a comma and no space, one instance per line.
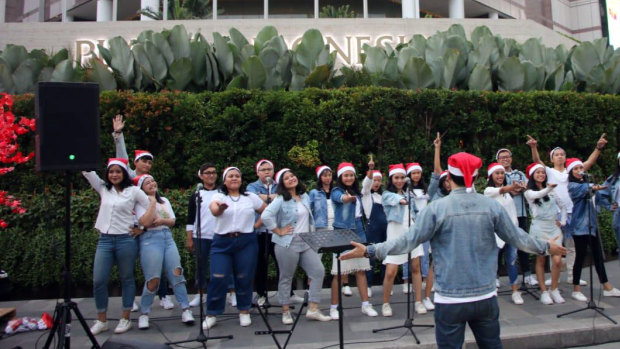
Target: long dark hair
443,190
286,195
572,178
491,182
421,183
391,187
531,185
125,183
354,189
319,184
224,190
158,197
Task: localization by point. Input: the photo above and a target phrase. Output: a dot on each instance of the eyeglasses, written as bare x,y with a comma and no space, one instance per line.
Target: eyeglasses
209,173
505,157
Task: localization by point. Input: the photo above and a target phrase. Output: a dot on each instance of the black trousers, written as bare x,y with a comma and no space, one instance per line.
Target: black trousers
524,257
262,263
581,249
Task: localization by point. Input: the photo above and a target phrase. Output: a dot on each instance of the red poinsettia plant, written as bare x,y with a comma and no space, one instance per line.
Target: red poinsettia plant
10,155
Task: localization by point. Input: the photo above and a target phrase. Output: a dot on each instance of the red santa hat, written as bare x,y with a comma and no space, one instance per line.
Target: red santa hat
494,167
376,173
228,169
571,163
465,165
262,161
142,153
118,161
412,166
396,168
280,173
529,171
139,180
443,174
344,167
320,169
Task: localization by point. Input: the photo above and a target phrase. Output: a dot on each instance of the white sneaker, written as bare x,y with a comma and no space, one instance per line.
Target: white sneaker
261,301
99,327
531,280
497,283
516,298
166,303
333,313
569,280
296,299
420,308
196,300
187,317
614,292
386,310
557,297
346,290
143,322
123,326
545,298
245,320
369,292
405,288
428,304
317,315
208,322
135,307
579,296
231,297
287,319
548,282
368,310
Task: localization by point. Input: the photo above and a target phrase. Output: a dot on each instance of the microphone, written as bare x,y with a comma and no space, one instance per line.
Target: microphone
584,174
199,187
407,182
269,181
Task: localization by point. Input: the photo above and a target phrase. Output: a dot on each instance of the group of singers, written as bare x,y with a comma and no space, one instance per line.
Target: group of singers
240,227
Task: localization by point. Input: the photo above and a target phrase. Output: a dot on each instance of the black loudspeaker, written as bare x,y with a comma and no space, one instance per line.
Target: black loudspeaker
117,343
67,117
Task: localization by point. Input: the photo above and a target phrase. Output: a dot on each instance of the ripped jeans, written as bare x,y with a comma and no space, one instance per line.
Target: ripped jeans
232,256
158,250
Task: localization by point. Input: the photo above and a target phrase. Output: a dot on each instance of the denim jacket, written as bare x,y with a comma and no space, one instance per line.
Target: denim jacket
281,213
606,197
318,206
259,188
394,211
460,228
582,209
344,214
433,188
516,175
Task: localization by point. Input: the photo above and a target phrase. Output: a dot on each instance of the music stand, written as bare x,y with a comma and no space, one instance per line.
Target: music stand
591,305
335,241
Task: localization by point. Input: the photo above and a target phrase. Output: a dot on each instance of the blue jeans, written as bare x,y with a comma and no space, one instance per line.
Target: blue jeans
122,251
482,317
158,250
232,256
510,258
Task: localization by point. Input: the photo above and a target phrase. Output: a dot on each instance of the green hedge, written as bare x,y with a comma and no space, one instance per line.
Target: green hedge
238,127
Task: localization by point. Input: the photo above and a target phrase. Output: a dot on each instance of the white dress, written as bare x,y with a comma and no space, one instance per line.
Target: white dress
395,230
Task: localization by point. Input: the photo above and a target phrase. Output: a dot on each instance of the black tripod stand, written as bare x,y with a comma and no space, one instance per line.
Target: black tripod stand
62,314
409,320
591,304
201,338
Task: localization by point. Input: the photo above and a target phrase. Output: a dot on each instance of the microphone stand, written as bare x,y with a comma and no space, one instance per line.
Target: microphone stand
591,304
408,324
201,338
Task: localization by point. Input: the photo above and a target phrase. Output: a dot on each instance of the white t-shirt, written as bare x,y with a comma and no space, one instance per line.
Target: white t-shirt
303,219
161,210
207,220
239,216
368,197
420,198
561,191
330,215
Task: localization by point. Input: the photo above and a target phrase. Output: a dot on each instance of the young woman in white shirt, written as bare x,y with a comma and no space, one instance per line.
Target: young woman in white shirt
498,189
117,244
234,247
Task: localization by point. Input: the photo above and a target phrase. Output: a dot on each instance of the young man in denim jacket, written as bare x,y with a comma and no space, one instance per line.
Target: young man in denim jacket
460,228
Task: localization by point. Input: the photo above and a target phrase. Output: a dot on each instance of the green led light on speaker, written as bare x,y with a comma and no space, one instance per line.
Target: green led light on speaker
71,157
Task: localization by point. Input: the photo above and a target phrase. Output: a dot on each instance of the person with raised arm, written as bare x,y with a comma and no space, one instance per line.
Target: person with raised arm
459,227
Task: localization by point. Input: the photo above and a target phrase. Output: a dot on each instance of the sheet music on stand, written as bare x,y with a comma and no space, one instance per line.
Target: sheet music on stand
336,241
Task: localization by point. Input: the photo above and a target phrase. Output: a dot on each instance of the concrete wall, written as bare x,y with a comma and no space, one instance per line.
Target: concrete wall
580,19
345,35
